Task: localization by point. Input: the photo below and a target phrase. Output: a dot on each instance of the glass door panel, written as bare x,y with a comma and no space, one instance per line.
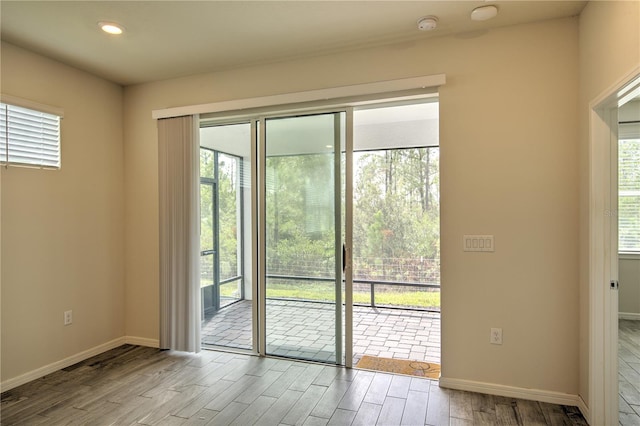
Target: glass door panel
230,227
226,250
208,235
303,237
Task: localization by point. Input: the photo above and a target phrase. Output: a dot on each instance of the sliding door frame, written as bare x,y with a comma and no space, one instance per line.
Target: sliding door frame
259,321
342,352
227,114
348,241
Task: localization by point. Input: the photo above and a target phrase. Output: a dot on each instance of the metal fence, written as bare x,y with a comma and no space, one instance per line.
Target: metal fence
407,270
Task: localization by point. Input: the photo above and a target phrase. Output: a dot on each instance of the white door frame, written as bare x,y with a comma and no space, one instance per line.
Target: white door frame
344,329
603,250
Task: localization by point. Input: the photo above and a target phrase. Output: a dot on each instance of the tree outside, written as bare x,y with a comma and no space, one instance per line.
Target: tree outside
396,226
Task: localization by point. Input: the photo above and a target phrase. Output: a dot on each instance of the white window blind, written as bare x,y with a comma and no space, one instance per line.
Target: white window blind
29,137
629,195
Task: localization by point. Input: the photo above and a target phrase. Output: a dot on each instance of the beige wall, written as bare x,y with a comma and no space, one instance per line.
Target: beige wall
609,50
509,168
62,231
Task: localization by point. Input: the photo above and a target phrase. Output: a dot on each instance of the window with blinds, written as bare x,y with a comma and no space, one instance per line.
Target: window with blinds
629,195
29,137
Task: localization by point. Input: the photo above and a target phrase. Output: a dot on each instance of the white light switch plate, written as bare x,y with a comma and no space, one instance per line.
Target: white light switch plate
478,243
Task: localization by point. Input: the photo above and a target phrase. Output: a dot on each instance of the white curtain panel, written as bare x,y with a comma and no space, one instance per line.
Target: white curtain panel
178,170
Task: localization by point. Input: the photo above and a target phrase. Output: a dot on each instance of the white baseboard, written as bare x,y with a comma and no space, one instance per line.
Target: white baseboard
629,316
142,341
73,359
63,363
513,392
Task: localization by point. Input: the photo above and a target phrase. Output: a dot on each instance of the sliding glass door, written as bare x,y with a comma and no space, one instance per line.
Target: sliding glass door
302,226
273,235
226,239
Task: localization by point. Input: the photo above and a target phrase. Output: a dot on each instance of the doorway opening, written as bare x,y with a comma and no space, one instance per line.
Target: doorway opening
278,194
629,261
603,249
396,238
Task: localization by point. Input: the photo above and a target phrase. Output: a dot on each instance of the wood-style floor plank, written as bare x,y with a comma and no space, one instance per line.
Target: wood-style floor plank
327,405
356,392
303,407
307,377
506,414
256,409
461,405
391,412
229,413
629,372
484,418
367,415
275,413
530,413
415,408
460,422
438,406
287,378
315,421
377,391
399,387
214,388
341,417
201,418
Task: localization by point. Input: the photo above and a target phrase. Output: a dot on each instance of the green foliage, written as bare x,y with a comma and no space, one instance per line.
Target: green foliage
219,186
229,202
300,215
396,210
396,228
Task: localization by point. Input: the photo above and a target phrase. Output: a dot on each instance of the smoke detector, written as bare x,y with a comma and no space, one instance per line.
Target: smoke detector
427,23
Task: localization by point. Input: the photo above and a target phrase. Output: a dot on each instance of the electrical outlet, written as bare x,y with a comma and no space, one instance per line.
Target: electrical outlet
68,317
496,336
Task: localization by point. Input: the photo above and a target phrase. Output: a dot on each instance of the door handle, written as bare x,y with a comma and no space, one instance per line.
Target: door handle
344,258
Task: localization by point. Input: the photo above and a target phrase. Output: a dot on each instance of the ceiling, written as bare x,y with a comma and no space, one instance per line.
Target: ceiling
167,39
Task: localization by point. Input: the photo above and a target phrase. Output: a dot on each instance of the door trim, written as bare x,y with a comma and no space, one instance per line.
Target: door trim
603,309
364,92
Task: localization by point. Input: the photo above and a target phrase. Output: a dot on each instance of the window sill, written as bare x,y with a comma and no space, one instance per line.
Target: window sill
629,255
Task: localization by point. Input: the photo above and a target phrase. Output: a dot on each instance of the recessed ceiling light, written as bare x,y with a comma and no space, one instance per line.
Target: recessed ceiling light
427,23
111,28
484,13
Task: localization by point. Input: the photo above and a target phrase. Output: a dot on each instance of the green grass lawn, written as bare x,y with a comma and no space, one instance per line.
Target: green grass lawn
324,292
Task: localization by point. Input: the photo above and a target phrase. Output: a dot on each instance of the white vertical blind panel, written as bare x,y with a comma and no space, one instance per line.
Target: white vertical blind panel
29,137
179,220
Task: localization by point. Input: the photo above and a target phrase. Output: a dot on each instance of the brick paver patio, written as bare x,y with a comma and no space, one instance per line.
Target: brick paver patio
306,330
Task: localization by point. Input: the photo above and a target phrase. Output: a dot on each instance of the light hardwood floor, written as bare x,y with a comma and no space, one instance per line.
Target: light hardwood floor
137,385
629,372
